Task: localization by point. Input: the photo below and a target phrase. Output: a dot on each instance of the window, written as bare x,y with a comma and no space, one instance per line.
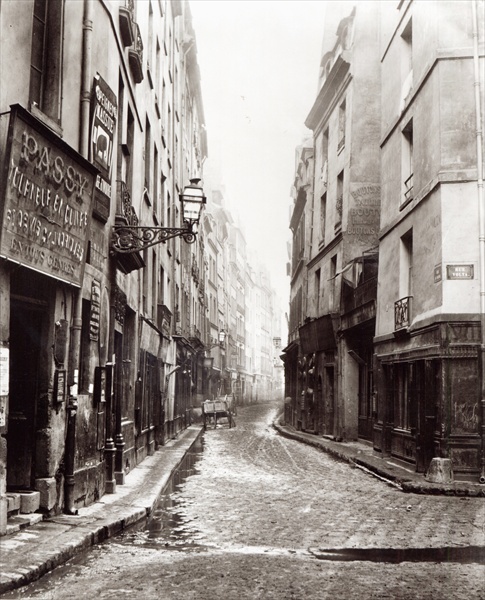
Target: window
339,202
341,126
323,214
161,286
406,265
317,292
154,284
148,166
155,181
404,396
407,51
407,164
324,172
144,285
333,274
46,57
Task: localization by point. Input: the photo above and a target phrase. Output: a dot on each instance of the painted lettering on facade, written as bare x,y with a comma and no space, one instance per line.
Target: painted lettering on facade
46,213
364,216
103,129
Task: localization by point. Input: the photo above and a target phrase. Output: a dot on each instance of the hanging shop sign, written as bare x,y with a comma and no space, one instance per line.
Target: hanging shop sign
103,128
46,201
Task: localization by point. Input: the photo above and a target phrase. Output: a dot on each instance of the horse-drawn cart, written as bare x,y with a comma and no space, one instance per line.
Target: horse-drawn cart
217,412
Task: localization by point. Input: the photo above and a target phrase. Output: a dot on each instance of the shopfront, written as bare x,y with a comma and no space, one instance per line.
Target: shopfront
45,213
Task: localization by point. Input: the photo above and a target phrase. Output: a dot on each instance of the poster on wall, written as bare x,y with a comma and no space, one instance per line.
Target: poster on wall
46,201
103,128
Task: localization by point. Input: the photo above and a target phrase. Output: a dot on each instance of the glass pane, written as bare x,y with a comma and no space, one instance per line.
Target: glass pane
35,83
37,44
39,9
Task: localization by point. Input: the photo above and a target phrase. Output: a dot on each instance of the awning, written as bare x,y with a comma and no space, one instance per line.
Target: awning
317,335
292,346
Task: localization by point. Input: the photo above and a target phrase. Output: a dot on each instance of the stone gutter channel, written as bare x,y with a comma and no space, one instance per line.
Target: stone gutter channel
362,455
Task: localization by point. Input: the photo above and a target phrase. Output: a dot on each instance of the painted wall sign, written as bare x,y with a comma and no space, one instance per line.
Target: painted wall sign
364,215
60,386
4,371
95,311
459,271
103,128
45,207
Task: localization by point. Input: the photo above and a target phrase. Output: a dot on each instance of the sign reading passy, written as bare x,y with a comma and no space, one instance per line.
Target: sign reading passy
46,212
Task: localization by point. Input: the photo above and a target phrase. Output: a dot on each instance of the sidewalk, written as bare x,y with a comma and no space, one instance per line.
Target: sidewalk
33,549
387,468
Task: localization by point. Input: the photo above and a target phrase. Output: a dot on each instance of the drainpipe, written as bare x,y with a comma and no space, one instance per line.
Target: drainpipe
481,212
75,341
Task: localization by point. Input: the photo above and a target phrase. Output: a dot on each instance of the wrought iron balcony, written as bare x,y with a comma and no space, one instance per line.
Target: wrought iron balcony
408,189
402,313
135,55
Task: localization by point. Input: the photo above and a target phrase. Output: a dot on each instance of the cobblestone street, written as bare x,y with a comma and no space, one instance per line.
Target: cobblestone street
258,514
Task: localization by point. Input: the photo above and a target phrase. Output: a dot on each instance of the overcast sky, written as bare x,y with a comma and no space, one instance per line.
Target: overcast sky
259,62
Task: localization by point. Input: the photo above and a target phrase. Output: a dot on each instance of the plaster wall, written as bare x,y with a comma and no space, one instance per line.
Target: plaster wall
457,116
15,55
425,222
460,246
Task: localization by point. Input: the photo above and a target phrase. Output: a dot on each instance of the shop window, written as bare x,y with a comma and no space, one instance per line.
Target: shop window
46,57
404,410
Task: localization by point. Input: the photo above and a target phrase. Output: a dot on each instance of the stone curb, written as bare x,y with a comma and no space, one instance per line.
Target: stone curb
107,520
377,466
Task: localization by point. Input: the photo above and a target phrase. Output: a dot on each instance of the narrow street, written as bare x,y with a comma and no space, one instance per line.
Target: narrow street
262,516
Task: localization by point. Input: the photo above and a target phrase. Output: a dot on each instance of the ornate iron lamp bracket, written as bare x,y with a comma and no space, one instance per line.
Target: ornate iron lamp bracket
128,239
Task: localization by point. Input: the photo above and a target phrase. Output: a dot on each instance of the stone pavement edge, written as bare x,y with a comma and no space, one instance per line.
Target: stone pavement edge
29,553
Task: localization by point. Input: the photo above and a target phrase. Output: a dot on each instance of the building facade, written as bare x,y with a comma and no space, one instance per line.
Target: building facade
429,328
335,271
390,349
109,325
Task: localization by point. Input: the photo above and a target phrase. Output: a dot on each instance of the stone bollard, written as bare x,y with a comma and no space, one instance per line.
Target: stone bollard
440,471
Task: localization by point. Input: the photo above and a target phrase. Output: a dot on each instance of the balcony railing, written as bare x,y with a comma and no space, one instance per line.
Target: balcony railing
408,189
402,313
338,217
135,55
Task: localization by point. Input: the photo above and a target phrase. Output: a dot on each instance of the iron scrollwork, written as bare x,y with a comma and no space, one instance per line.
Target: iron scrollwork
136,238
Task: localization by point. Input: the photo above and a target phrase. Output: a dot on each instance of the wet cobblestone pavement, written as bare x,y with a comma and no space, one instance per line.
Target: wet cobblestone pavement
265,517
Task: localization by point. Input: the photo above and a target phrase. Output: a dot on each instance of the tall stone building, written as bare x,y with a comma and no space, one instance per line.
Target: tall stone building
335,225
391,271
101,129
429,331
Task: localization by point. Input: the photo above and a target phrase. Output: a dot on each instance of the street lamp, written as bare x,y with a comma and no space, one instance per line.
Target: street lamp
128,239
220,343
